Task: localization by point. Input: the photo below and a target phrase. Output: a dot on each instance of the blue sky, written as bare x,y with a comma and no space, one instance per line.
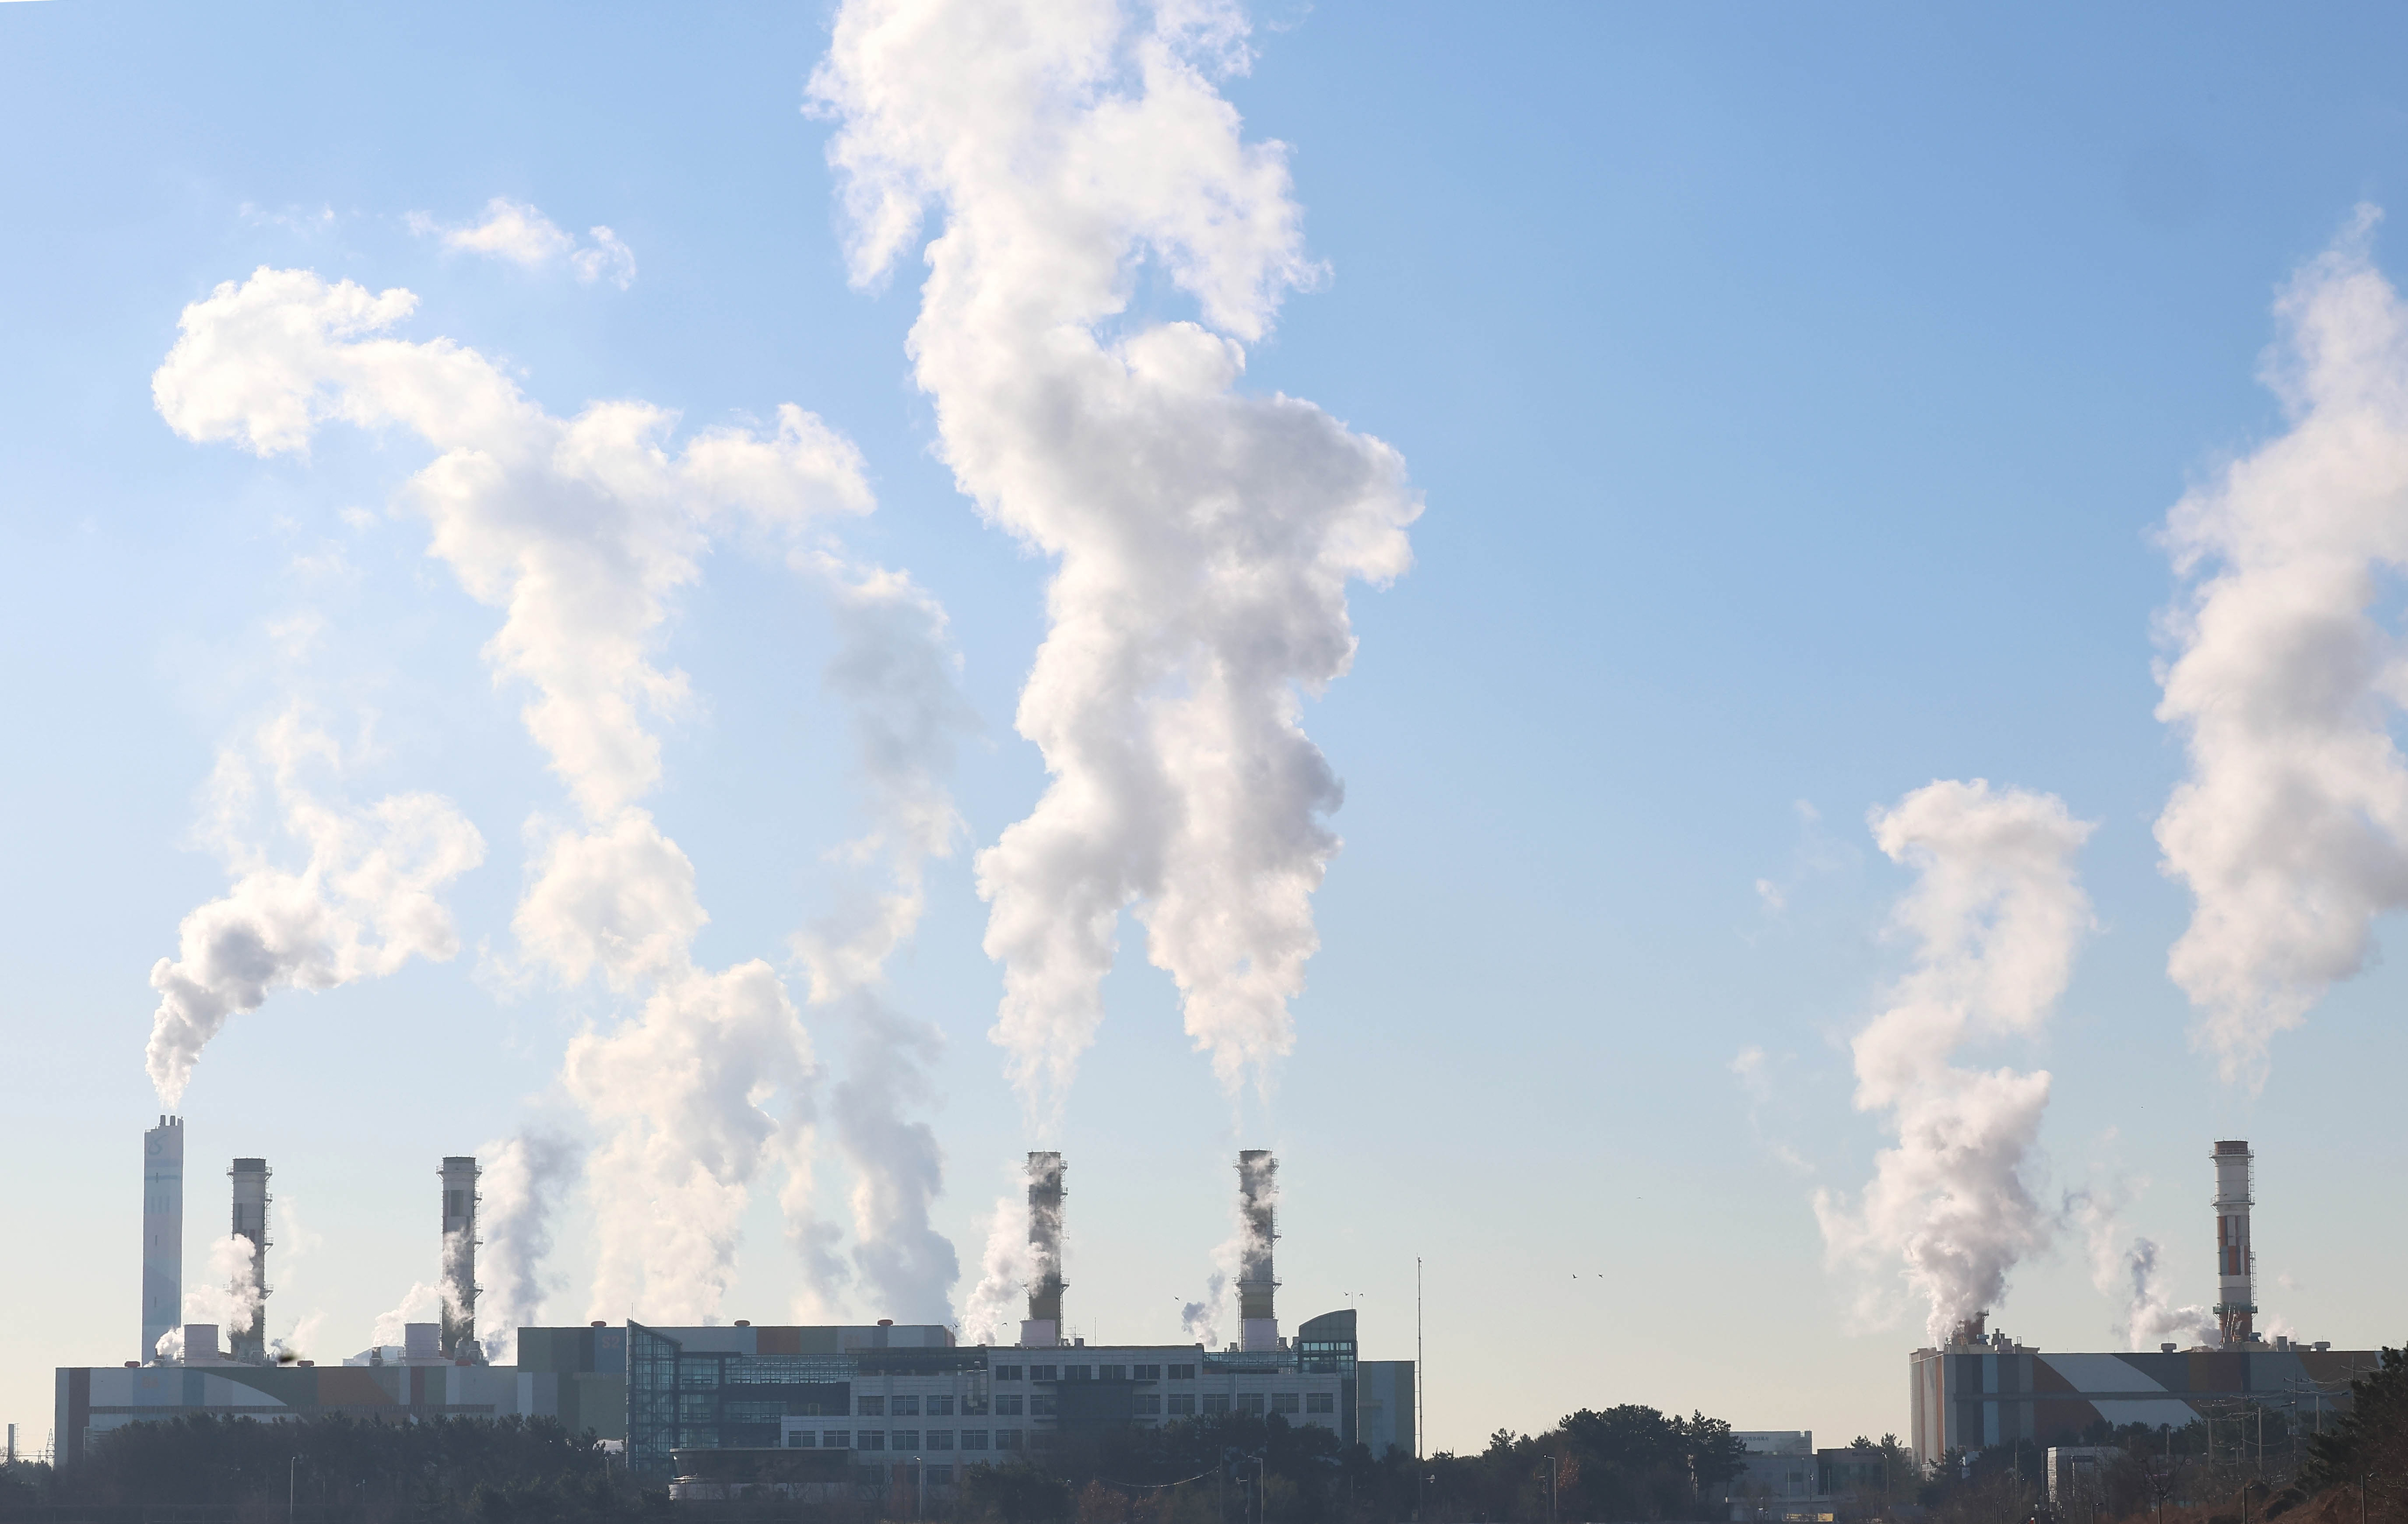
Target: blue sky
1796,399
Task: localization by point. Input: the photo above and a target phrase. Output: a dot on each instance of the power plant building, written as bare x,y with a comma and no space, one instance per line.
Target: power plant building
875,1405
1984,1388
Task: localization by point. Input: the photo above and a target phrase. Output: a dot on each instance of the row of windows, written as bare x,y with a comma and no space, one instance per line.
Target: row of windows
1095,1373
938,1406
902,1439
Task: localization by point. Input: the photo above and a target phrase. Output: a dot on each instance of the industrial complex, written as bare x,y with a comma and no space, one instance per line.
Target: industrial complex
723,1407
1985,1389
785,1405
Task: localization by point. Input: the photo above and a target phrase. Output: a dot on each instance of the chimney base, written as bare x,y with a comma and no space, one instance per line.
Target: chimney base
1039,1333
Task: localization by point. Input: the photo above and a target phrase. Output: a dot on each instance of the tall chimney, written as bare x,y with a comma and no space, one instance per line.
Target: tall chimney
1043,1327
247,1341
459,1284
1259,1214
163,1233
2236,1264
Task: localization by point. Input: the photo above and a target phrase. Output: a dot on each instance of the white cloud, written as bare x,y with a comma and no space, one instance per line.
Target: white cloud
2291,830
1995,914
518,233
1204,537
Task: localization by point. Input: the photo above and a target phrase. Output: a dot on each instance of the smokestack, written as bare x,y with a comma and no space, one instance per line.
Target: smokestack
2236,1264
1043,1329
1258,1213
459,1284
249,1341
163,1233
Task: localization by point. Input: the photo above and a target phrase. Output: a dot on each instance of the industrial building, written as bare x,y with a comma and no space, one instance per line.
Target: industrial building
742,1406
1984,1388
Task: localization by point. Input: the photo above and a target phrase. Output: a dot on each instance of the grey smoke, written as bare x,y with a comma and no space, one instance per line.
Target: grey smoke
527,1179
897,675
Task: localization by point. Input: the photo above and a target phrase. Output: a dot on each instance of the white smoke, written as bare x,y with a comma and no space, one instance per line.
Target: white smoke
1205,538
231,1296
420,1303
895,673
1996,912
2126,1268
992,1311
524,1179
2292,827
580,530
1201,1321
363,904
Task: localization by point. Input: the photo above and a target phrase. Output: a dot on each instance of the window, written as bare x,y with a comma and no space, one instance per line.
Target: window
1111,1373
837,1439
1077,1373
1320,1401
1216,1402
1250,1402
1286,1402
903,1407
905,1439
1183,1373
801,1439
940,1438
941,1475
1041,1372
872,1407
973,1439
1006,1373
872,1439
1182,1404
1007,1439
1008,1405
1146,1373
694,1372
1149,1403
1041,1406
940,1407
698,1408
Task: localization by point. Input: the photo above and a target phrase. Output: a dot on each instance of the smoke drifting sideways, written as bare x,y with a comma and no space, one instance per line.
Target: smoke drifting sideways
2291,829
365,903
1204,538
1996,914
2127,1270
580,529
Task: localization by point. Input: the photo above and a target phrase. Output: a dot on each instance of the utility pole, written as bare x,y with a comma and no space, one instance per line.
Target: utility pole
291,1488
1420,1372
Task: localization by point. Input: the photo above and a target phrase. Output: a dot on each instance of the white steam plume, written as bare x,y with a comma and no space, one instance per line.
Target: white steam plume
2126,1268
580,530
231,1296
895,673
1202,1320
1997,911
1204,537
2292,827
992,1313
524,1178
420,1303
363,904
